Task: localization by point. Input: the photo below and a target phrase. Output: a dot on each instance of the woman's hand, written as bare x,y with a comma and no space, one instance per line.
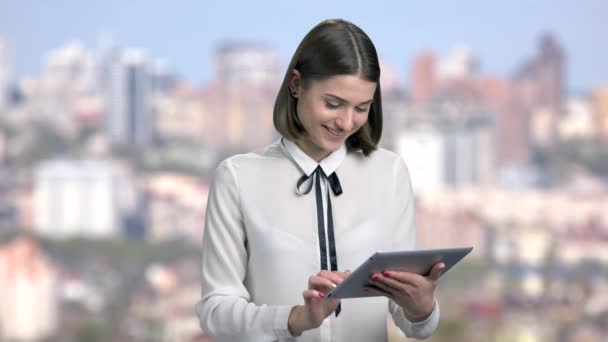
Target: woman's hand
413,292
316,308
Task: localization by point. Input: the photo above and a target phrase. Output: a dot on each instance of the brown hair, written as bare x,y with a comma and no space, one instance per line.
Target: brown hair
333,47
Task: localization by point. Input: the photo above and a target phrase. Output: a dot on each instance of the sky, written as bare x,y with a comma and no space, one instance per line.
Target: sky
185,33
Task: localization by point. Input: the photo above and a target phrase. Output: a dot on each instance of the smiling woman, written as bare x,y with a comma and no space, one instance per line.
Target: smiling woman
271,252
330,111
336,65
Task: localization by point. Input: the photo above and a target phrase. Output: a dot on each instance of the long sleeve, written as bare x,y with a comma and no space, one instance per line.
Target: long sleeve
406,240
225,310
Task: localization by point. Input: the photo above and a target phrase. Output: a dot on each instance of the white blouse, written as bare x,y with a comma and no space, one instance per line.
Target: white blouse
261,242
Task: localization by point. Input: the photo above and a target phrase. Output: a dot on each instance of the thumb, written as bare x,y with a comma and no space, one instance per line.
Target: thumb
436,271
345,274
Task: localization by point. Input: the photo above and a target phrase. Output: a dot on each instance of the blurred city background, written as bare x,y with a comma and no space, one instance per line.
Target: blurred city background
114,115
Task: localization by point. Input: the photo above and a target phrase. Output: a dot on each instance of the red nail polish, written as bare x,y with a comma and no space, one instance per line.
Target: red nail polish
386,274
321,295
376,277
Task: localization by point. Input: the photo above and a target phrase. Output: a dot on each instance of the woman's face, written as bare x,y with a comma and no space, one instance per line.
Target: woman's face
331,110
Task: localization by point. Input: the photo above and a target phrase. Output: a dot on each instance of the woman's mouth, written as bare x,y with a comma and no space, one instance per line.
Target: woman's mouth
334,132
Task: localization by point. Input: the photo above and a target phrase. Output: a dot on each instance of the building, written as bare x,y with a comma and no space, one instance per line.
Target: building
540,83
469,154
4,74
389,79
86,198
242,96
546,71
128,87
449,152
460,64
182,115
578,121
256,64
176,207
423,150
600,112
423,77
71,69
29,304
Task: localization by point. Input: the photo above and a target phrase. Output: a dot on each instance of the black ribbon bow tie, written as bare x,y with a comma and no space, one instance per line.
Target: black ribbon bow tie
333,180
335,186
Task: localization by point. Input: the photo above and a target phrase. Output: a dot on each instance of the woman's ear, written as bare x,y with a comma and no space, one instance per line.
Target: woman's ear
294,83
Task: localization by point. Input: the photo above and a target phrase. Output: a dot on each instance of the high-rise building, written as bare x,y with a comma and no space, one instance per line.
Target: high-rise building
551,73
255,64
539,85
545,73
600,112
241,99
71,69
469,154
389,80
128,89
423,75
578,121
162,77
29,300
423,150
81,198
511,140
181,116
4,74
460,64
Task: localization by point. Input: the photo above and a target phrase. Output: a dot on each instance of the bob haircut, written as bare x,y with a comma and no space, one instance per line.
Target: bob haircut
333,47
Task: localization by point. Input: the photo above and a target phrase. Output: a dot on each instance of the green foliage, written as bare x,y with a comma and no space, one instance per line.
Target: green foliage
566,155
46,144
451,329
92,330
120,251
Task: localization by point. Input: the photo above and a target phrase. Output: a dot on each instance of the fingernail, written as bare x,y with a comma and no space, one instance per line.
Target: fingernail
386,274
321,295
333,285
376,277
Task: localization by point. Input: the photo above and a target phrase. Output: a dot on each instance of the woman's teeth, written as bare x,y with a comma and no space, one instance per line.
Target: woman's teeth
334,132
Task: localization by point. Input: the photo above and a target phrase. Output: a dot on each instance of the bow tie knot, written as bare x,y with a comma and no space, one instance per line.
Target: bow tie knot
334,182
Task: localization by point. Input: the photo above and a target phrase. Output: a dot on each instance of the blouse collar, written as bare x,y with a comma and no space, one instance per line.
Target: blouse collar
329,164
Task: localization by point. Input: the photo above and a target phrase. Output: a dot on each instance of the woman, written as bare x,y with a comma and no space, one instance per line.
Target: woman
284,221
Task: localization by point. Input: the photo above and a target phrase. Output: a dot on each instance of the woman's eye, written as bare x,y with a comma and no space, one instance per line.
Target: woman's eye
361,110
332,104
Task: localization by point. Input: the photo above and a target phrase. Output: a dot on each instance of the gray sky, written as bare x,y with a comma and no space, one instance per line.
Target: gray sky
184,33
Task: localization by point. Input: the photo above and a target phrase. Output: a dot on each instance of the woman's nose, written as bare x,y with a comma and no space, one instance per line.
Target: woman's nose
345,120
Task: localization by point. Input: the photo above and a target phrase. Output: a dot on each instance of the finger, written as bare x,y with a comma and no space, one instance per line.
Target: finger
321,284
345,274
375,290
410,278
395,285
312,294
436,271
334,277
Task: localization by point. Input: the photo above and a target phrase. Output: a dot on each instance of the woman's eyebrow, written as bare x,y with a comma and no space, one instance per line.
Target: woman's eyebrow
343,100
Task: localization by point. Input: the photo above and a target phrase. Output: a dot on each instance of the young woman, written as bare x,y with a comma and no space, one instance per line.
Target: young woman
285,222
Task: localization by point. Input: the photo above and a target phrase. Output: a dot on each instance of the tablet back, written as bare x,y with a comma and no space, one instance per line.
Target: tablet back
416,261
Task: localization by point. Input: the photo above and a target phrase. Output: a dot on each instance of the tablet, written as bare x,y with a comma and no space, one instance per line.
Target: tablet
417,261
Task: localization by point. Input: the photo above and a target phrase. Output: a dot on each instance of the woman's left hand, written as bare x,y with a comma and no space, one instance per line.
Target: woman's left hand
413,292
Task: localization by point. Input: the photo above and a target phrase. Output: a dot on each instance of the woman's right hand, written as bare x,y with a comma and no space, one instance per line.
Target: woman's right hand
316,308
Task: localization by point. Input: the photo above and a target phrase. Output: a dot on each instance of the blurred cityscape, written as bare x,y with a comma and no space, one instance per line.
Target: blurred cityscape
105,164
